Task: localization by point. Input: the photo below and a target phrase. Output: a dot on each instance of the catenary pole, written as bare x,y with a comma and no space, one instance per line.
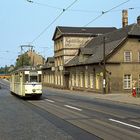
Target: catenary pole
104,67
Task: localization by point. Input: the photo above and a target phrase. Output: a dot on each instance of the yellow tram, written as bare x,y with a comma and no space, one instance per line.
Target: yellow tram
26,82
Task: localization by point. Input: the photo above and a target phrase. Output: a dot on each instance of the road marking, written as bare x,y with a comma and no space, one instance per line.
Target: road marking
125,123
51,101
72,107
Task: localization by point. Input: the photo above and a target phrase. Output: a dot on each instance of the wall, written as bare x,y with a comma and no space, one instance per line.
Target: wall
118,71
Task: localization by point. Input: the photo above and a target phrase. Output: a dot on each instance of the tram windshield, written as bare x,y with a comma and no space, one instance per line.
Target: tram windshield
33,78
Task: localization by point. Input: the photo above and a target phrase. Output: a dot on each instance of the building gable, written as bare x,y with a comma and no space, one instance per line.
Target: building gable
132,45
57,34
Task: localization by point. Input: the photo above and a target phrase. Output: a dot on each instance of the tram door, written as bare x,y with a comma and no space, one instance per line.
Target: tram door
21,83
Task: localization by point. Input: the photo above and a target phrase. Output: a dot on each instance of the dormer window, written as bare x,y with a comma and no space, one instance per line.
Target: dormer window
127,56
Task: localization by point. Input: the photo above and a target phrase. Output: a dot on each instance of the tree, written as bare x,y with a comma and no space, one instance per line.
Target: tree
23,60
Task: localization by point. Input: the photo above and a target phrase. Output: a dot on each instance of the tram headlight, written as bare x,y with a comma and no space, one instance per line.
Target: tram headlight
33,90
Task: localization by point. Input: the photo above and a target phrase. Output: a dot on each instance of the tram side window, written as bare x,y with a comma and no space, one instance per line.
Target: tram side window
26,78
39,77
17,78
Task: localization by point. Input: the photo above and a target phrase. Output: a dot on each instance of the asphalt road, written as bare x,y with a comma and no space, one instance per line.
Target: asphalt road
22,120
105,119
60,116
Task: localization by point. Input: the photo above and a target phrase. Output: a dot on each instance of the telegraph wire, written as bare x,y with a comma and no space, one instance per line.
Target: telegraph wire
44,4
63,10
67,9
84,11
78,10
117,6
130,8
104,12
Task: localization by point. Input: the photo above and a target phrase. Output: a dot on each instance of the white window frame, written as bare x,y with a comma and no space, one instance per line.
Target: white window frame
127,86
125,60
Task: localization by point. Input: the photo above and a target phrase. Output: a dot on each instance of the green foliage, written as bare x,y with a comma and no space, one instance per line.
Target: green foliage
23,60
4,70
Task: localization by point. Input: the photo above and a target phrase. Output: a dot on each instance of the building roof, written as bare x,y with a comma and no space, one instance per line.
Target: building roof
50,60
85,51
49,63
112,41
83,31
135,31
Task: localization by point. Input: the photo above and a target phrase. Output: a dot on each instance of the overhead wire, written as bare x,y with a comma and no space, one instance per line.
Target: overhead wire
56,18
104,12
67,9
78,10
44,4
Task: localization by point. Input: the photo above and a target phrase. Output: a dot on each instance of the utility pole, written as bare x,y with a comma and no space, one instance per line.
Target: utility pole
104,67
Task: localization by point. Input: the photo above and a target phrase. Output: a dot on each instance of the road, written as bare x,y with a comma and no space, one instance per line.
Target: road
60,115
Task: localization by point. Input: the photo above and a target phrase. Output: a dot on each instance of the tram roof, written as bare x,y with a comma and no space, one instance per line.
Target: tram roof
27,68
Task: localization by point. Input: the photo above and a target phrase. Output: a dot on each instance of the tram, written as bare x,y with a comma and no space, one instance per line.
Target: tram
26,82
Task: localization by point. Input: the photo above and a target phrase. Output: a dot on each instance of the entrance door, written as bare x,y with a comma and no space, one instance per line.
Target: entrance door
67,81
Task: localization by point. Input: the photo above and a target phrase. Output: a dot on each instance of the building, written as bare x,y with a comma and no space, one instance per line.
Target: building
36,59
67,41
122,62
48,72
79,59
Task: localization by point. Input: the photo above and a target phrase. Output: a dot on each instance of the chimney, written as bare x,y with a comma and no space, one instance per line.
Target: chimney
124,18
138,20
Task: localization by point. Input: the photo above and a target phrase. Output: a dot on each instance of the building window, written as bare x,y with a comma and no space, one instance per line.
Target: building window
139,56
127,81
91,81
81,79
86,80
73,80
138,83
127,56
77,79
61,80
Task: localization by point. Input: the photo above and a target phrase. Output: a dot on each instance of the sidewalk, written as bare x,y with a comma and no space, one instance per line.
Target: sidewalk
117,97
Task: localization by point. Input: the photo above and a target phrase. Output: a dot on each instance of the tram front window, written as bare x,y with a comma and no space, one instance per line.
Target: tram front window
26,78
33,78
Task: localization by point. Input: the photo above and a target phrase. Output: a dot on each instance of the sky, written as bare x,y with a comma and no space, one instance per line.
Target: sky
22,21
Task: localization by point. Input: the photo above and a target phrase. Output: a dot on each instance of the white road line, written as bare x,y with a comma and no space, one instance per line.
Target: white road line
125,123
73,107
51,101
